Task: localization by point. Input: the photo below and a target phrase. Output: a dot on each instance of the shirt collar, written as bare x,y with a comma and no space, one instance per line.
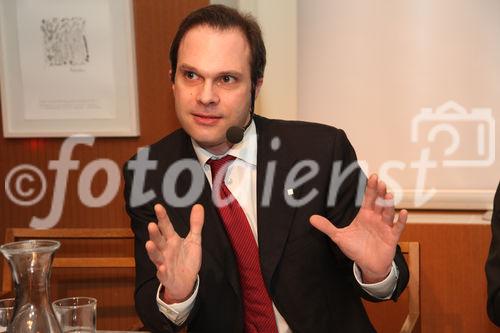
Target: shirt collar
246,150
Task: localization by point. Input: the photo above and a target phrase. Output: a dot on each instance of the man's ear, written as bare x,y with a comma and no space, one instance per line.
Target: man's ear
171,80
258,86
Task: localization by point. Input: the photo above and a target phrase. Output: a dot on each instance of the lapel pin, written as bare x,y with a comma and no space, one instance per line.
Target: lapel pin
290,191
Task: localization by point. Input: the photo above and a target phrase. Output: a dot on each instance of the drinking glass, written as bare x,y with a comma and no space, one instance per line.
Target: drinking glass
76,314
6,311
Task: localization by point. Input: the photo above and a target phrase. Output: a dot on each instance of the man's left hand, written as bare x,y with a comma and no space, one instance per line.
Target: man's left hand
371,239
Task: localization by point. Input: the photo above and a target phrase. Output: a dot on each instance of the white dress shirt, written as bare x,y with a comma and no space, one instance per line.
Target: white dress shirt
241,180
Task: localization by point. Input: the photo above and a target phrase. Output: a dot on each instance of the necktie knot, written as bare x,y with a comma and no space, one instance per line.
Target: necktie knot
220,165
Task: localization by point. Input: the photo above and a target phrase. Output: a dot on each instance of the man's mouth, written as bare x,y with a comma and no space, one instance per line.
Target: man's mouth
205,119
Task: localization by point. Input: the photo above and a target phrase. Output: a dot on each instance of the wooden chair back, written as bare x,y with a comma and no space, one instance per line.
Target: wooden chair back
412,321
17,234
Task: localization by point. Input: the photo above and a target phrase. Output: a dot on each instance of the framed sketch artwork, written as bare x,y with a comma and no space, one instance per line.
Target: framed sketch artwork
67,67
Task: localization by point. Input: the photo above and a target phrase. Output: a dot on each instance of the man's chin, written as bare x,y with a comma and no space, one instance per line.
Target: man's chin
217,147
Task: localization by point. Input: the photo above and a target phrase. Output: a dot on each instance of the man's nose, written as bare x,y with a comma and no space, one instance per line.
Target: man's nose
208,94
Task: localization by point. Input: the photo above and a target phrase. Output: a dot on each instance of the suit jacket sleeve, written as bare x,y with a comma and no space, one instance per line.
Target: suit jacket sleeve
146,283
345,208
493,264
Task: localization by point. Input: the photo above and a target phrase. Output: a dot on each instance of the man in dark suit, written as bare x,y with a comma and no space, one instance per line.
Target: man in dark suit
286,237
493,263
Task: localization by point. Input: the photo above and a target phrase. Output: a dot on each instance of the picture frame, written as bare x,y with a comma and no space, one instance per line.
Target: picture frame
67,68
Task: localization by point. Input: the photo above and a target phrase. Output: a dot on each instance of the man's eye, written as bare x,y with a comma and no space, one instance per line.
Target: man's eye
228,79
190,75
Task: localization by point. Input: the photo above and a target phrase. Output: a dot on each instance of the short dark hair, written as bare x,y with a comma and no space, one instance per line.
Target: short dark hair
224,18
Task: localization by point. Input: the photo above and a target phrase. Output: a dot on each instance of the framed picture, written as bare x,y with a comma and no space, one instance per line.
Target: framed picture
68,67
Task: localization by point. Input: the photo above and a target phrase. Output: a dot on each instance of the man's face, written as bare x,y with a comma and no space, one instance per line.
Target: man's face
212,86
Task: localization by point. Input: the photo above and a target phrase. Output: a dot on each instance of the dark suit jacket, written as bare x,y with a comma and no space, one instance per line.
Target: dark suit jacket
309,279
493,264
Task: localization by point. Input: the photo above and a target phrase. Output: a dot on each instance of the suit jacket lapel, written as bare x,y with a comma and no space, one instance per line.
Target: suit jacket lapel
216,242
274,215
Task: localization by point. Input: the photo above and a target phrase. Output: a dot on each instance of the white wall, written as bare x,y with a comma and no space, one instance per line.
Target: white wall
370,66
278,21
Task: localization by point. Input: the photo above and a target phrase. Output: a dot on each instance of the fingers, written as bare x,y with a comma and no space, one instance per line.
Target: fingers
399,226
370,192
156,237
154,253
164,223
380,202
377,199
196,221
324,225
388,210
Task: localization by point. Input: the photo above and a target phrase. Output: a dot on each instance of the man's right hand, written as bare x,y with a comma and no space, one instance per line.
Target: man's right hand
177,260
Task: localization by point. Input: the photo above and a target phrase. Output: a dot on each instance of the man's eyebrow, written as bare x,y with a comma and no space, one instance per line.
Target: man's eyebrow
186,67
232,73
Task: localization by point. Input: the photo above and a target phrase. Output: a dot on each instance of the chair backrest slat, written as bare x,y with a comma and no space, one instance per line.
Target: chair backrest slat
15,234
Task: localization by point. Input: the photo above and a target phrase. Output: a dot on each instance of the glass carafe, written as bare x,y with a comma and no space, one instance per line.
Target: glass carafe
30,262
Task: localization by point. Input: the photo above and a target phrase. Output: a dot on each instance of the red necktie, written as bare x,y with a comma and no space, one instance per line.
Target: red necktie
258,308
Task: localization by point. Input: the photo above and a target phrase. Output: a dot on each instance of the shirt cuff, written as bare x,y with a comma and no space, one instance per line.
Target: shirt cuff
383,289
177,312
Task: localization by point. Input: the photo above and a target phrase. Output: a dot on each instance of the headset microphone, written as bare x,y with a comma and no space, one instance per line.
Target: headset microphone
234,134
